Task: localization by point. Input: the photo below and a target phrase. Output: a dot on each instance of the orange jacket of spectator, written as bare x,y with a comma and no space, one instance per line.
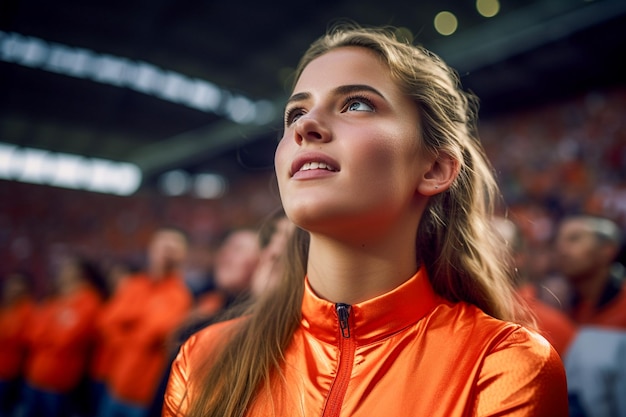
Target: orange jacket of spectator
405,353
105,350
60,340
552,323
135,324
14,320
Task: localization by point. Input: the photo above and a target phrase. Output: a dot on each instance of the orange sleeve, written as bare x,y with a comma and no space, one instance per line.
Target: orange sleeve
123,311
163,313
175,402
522,377
192,357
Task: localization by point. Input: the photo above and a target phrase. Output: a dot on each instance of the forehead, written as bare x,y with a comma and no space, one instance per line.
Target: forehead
575,227
344,66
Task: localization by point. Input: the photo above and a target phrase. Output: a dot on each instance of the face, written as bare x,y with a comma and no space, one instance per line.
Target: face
350,156
577,250
167,250
69,275
236,260
270,268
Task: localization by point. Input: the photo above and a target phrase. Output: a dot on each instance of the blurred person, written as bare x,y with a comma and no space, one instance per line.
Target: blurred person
104,352
60,338
16,310
396,300
235,262
552,323
135,324
234,265
586,249
596,373
273,238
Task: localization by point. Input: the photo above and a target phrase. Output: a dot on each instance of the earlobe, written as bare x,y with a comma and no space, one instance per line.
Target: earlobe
440,176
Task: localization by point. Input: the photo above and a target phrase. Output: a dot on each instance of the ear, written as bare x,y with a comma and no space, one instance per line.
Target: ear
439,176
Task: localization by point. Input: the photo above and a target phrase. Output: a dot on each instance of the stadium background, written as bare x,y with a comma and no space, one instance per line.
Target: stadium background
190,93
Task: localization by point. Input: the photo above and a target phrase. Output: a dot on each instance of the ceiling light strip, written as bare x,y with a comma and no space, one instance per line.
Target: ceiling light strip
136,75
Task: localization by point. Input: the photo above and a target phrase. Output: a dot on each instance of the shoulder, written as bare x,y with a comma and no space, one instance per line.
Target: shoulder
470,325
132,283
502,337
522,371
202,345
480,337
193,358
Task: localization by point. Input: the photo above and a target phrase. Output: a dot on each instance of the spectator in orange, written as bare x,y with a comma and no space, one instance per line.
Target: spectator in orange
552,323
60,338
235,262
104,353
138,320
586,252
16,309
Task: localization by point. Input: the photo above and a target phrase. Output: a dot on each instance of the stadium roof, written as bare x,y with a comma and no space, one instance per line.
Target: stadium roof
199,85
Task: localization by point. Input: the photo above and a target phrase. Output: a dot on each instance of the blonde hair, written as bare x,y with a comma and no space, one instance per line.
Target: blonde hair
455,240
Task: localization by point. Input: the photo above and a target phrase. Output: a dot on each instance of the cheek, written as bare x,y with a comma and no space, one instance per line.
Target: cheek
280,158
386,156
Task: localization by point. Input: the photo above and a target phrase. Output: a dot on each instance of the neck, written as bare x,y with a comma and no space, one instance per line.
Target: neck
353,272
160,273
590,288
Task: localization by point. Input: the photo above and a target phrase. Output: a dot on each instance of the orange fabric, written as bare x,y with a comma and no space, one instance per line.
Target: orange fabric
552,323
409,353
105,349
14,321
135,324
103,355
611,315
60,339
210,303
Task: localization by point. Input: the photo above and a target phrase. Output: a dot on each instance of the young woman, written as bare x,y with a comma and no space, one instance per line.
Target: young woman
397,301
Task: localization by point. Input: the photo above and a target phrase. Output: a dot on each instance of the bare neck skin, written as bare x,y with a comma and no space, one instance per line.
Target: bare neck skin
160,272
345,271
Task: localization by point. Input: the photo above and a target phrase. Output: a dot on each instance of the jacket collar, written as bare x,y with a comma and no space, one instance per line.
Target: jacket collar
374,319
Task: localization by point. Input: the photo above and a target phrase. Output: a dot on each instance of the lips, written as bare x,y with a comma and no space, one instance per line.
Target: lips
313,161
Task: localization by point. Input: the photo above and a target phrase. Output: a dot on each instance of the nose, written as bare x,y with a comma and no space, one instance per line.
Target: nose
308,128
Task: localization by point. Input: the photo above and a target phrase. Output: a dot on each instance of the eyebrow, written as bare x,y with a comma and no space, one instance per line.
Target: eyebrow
341,90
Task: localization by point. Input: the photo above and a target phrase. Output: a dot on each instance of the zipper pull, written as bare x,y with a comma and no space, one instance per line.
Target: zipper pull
343,312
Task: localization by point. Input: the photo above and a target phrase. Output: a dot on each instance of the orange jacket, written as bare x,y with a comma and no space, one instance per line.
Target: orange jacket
105,350
60,339
553,324
14,320
135,324
405,353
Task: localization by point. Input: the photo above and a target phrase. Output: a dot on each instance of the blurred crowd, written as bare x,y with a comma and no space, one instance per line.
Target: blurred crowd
101,344
98,292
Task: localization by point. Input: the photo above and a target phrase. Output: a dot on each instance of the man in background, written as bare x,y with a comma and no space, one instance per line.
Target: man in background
138,321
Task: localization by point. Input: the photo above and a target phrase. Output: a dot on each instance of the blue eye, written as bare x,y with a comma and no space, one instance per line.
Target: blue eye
359,104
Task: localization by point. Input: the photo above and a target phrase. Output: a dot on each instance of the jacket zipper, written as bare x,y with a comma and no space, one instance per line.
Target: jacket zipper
347,350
